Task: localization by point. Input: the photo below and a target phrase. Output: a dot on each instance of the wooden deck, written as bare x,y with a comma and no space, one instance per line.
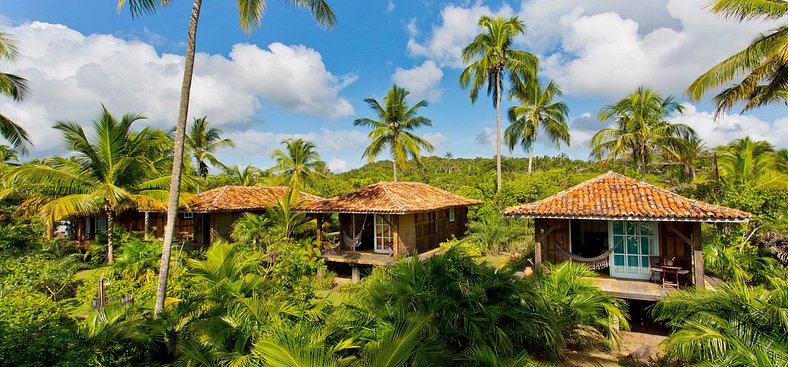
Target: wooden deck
642,290
360,257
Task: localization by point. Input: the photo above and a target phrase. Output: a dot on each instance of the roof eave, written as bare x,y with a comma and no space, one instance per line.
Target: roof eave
631,218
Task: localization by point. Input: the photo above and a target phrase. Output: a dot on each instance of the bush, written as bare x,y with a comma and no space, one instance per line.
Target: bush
36,331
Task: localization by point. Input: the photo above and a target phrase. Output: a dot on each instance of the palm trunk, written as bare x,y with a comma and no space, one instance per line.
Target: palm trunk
642,162
110,224
531,158
498,127
147,224
395,170
177,161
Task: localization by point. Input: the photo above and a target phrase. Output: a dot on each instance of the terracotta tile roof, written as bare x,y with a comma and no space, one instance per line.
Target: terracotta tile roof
238,198
389,198
613,195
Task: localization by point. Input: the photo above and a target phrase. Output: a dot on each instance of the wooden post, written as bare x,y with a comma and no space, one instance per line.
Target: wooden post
395,235
355,274
147,225
538,256
697,257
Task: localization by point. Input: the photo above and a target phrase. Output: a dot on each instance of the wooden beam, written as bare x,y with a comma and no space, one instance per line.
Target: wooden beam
395,236
538,256
697,257
547,233
681,235
355,273
319,233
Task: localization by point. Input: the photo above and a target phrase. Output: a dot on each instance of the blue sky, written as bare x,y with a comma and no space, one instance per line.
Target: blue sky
293,78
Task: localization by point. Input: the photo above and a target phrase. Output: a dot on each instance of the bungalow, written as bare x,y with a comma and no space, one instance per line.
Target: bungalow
625,228
209,218
383,221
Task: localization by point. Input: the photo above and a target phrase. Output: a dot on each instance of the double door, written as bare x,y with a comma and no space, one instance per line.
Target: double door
635,242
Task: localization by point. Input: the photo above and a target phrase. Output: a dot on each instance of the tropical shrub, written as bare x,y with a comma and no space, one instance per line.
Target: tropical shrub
735,325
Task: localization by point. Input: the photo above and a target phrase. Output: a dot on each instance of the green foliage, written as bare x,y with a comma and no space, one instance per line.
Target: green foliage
728,255
21,233
736,325
37,331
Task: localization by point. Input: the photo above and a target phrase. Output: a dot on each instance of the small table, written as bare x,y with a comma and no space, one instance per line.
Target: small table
667,269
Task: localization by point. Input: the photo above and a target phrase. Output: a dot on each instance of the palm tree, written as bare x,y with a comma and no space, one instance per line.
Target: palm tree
111,172
752,163
394,128
250,13
8,155
688,157
735,325
201,141
763,62
247,176
642,128
16,88
537,110
494,60
299,163
284,220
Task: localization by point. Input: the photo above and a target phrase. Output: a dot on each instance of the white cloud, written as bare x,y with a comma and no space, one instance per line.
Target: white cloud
256,146
486,137
423,82
337,165
457,28
607,54
390,7
437,139
733,126
70,74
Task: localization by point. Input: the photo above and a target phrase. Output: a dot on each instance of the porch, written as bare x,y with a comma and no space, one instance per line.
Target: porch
641,290
357,259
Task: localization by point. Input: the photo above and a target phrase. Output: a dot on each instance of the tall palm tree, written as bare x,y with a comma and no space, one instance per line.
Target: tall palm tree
201,141
492,58
763,62
16,88
688,157
537,110
749,162
250,13
299,163
394,128
642,128
109,172
8,155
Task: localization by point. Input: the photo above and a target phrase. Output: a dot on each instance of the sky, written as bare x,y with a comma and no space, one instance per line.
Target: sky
292,78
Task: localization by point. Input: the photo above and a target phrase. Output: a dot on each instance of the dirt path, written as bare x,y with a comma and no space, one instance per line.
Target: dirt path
631,342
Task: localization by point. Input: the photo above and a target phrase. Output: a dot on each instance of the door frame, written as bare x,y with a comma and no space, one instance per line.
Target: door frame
653,251
380,221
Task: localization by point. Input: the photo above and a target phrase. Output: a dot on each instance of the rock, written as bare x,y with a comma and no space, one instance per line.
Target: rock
642,357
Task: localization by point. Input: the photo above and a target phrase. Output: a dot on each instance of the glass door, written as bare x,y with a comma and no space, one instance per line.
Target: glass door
384,237
635,242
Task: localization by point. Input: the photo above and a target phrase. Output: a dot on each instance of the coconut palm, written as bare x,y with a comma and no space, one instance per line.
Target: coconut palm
642,129
284,220
536,111
491,58
299,164
250,13
762,63
688,157
16,88
247,176
201,141
109,172
394,128
735,325
749,162
8,155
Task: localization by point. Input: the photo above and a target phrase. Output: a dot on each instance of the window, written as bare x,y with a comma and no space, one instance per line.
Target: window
451,214
101,224
384,236
188,215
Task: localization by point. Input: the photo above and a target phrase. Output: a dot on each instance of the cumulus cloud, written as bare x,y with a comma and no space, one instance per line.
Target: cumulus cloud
390,7
423,82
733,126
437,139
608,54
71,73
337,165
457,27
486,137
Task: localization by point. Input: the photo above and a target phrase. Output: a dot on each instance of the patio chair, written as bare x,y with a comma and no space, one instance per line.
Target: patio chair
655,269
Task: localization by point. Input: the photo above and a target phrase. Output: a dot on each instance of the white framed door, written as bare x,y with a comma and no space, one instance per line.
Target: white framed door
635,242
384,236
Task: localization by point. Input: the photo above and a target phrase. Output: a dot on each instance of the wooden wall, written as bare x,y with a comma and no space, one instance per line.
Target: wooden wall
548,232
406,234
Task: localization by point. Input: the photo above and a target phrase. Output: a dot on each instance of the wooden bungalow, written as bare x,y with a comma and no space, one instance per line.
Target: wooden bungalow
387,220
625,229
209,218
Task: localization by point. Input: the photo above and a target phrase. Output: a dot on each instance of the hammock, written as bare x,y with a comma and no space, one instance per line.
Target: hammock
599,262
355,239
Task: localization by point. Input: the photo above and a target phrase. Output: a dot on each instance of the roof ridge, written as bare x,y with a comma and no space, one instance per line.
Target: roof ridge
577,186
213,202
391,196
